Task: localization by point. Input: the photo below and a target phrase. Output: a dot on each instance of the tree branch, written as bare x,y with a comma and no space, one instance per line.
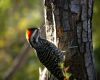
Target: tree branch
17,62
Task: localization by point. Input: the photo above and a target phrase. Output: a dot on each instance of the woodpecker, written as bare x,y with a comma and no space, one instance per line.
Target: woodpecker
49,55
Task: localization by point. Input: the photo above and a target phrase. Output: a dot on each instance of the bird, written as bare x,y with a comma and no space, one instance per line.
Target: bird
48,54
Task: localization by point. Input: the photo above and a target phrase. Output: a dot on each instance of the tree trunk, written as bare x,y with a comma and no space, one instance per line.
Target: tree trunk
68,24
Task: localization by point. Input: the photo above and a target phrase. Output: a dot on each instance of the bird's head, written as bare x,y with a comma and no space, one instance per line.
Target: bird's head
32,35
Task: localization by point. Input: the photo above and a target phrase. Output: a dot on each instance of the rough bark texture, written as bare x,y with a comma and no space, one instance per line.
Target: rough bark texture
68,24
49,30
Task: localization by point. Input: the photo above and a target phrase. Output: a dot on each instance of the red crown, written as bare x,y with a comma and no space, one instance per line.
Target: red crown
28,33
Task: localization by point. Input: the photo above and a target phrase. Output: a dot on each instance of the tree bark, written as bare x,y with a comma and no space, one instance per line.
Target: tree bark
68,24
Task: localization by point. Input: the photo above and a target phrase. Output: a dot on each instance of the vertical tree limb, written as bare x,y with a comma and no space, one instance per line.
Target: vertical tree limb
73,21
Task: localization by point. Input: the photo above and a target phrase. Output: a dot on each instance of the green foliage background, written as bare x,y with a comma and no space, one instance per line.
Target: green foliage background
96,36
15,17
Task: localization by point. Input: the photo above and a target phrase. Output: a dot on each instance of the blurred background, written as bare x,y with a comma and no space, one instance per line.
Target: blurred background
15,17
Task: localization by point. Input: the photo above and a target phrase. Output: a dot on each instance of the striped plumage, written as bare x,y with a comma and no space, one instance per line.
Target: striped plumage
49,55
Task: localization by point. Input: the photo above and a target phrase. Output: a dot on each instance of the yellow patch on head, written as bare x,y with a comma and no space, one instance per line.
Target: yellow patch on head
28,34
